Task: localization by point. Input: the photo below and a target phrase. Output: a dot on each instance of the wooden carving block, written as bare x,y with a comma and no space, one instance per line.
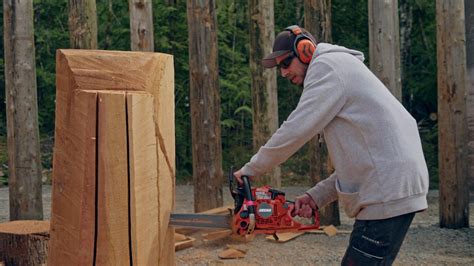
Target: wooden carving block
88,167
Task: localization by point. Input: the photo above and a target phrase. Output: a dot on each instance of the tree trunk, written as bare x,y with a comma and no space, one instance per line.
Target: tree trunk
451,51
24,242
406,25
318,21
82,24
384,44
469,11
24,157
264,85
205,105
141,25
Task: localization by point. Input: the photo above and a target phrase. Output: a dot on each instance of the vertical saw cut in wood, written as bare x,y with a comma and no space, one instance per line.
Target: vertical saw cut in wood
260,210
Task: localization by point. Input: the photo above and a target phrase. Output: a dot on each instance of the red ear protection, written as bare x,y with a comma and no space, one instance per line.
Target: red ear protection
303,46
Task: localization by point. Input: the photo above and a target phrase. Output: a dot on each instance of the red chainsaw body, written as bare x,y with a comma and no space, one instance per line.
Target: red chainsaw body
272,214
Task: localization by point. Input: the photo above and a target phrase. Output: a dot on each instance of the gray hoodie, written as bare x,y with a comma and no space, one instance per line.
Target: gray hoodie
372,140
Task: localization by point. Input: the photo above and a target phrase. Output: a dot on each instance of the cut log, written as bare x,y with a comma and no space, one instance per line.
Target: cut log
24,242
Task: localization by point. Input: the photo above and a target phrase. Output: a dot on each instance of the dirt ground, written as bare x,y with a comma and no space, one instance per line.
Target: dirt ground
426,243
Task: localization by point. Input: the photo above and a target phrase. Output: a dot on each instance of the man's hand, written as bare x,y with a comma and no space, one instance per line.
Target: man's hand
238,176
304,206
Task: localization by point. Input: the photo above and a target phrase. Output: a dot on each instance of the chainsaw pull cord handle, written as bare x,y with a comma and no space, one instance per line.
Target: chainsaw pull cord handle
251,201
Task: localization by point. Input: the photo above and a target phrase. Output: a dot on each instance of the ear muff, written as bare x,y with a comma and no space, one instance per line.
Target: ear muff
305,49
303,45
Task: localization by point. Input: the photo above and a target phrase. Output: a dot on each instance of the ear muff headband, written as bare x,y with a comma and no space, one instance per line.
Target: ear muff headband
303,46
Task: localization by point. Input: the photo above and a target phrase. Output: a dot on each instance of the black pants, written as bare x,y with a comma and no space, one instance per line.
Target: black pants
377,242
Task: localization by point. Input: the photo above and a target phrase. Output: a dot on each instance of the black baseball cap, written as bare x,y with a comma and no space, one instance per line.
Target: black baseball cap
284,43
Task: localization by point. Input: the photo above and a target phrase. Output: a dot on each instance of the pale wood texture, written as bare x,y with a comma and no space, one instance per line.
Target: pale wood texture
317,20
112,244
143,178
24,242
384,44
205,105
82,24
284,237
24,158
264,85
81,76
141,25
452,136
74,175
469,11
216,235
187,243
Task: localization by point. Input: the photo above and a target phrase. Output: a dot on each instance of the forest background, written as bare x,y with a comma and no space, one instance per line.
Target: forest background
349,28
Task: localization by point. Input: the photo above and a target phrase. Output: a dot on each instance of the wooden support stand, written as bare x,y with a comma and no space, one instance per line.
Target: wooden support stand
113,178
24,242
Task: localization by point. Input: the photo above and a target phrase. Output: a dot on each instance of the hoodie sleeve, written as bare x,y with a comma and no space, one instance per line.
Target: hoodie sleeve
322,99
324,192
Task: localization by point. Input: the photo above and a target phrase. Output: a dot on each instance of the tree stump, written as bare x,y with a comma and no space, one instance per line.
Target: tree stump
24,242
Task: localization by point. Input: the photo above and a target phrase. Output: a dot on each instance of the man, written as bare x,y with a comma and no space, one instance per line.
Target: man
380,175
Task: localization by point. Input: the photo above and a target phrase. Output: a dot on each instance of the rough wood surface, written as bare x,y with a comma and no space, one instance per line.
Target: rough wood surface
112,244
264,85
205,105
384,44
186,243
24,157
143,179
82,24
74,176
141,25
284,237
452,136
24,242
469,11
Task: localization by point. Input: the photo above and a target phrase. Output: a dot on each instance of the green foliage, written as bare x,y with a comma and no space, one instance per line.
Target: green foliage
349,28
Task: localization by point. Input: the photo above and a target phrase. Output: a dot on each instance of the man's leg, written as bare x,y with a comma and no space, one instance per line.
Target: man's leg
377,242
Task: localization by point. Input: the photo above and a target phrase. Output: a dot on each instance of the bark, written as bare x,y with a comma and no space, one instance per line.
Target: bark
451,51
384,44
141,25
24,242
406,25
205,105
264,85
82,24
24,158
469,11
318,21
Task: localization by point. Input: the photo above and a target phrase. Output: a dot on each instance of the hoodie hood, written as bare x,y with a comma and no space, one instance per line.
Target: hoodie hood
324,48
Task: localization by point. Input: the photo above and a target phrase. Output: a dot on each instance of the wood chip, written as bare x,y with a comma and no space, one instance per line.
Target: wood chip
330,230
231,253
179,237
216,235
284,237
184,244
243,249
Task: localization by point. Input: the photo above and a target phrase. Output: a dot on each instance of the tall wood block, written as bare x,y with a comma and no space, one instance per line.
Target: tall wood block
114,159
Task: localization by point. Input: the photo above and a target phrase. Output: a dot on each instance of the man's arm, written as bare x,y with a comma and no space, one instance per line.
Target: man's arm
324,192
322,99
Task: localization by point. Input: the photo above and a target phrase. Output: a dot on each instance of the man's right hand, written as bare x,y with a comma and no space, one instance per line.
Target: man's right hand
238,176
305,206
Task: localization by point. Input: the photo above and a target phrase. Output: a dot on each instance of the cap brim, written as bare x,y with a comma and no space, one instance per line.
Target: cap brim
269,61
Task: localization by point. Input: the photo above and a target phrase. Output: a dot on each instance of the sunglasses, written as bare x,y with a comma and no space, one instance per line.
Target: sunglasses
285,63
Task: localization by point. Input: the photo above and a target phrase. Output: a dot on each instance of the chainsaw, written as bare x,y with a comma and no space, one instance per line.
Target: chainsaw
260,210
